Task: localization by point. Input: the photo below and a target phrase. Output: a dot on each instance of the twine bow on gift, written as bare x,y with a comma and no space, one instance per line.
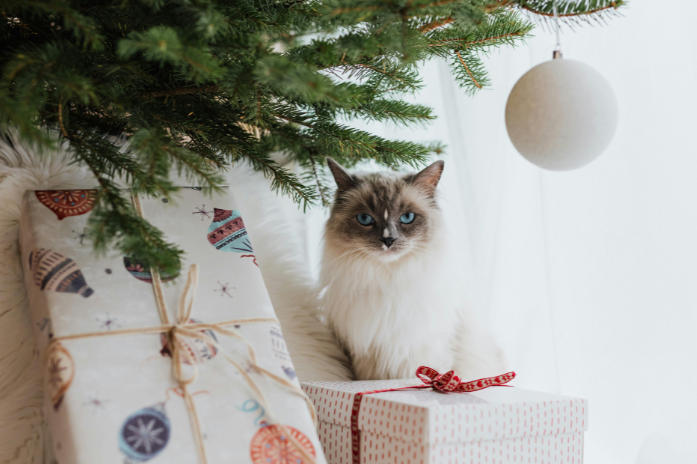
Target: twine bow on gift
186,327
443,383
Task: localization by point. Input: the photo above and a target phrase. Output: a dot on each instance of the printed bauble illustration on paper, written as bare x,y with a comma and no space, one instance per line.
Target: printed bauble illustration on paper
225,289
198,350
144,434
95,402
107,322
270,445
60,371
278,344
253,406
65,203
137,270
53,271
228,233
45,324
81,236
202,212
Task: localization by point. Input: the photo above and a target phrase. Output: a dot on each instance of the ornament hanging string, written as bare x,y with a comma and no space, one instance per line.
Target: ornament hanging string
184,328
557,28
443,383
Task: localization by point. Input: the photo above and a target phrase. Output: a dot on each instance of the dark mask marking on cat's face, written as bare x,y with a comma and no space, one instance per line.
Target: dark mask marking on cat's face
388,199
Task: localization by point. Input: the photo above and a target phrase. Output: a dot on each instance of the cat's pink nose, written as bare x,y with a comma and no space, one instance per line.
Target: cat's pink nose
388,241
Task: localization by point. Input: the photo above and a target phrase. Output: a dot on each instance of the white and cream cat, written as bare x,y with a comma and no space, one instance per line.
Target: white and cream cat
392,287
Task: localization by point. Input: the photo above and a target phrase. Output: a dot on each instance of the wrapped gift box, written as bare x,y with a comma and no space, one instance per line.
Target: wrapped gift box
112,397
499,425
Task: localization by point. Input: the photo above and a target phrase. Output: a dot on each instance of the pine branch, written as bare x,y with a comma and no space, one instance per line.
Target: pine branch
321,188
569,8
282,180
436,24
113,220
180,91
83,27
194,87
394,111
468,71
571,12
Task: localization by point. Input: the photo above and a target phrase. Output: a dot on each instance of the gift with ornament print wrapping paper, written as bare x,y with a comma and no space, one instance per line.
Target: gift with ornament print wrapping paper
111,396
498,425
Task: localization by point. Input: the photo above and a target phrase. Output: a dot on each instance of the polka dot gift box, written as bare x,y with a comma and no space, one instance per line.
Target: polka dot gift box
153,367
496,425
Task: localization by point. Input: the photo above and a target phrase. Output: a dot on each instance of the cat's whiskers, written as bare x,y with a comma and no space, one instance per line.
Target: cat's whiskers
413,253
413,248
357,250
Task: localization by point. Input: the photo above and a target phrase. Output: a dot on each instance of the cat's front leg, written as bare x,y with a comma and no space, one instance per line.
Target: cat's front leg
401,362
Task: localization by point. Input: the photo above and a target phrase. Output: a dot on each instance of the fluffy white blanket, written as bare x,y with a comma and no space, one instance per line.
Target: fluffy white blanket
277,243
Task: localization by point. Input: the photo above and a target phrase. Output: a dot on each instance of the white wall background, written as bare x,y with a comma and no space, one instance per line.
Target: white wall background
588,278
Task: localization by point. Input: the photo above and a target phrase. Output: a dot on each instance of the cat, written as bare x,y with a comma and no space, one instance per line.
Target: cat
392,288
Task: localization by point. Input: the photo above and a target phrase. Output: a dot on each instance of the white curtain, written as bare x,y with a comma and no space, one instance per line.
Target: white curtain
587,278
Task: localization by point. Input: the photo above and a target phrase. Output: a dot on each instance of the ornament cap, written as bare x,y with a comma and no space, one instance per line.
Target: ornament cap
557,55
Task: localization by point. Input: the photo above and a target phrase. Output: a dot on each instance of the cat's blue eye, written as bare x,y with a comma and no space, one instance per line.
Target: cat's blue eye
365,219
407,218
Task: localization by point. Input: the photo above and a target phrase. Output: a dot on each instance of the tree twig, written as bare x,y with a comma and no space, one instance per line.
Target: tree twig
590,12
179,91
372,68
488,39
436,24
60,121
479,86
320,189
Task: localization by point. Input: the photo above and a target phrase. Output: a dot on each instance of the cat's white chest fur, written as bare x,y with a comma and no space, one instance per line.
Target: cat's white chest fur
394,317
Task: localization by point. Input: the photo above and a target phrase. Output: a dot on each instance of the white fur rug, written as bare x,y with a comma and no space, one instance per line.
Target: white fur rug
276,243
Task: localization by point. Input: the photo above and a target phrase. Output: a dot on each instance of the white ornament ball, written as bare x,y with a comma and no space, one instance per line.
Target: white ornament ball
561,115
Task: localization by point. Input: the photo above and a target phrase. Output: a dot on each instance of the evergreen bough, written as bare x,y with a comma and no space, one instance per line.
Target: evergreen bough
196,85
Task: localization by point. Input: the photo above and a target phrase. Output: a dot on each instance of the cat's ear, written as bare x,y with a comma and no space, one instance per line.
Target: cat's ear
428,178
344,180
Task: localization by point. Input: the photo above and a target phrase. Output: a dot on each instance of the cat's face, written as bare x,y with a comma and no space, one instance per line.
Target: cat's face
383,215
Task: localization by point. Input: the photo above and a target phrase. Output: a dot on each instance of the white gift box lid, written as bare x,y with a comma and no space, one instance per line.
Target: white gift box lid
427,416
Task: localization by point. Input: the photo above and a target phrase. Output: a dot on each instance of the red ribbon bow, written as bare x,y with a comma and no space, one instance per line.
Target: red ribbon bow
445,383
450,382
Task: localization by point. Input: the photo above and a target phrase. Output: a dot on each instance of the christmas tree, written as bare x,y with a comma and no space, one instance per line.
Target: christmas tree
195,85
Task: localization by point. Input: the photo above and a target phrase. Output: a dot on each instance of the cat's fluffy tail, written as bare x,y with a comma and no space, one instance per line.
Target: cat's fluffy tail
278,248
477,354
